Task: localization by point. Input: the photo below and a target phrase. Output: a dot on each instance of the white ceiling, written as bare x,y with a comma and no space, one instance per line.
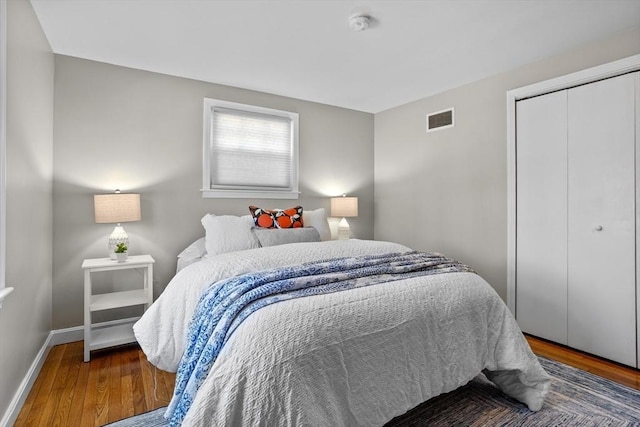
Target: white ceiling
305,48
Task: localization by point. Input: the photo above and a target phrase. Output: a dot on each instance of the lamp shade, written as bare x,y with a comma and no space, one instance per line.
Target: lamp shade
344,207
116,208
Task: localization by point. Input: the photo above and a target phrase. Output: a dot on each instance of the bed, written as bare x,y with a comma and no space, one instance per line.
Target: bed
357,356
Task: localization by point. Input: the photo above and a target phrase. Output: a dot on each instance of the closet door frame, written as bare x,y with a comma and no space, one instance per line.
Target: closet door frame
638,220
589,75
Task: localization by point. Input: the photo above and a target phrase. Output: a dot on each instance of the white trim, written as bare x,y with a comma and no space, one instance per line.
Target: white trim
611,69
67,335
637,222
3,140
453,120
227,194
235,192
589,75
13,410
4,292
511,202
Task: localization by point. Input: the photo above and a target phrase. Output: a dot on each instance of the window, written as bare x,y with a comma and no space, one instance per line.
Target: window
249,152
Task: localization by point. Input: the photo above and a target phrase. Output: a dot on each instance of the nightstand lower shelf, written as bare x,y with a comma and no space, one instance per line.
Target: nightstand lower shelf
110,334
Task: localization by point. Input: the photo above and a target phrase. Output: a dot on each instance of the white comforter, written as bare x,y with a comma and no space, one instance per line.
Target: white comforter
358,357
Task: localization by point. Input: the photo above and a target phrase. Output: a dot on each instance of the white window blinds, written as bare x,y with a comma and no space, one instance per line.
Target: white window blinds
249,151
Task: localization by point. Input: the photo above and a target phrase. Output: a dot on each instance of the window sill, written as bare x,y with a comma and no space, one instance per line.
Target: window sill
230,194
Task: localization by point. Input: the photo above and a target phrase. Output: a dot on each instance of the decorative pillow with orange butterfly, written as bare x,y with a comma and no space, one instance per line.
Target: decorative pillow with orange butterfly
277,218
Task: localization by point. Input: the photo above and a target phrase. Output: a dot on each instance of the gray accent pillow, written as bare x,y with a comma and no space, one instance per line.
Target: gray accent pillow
281,236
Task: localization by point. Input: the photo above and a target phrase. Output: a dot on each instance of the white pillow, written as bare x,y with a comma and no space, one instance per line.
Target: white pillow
228,233
191,254
318,220
281,236
196,249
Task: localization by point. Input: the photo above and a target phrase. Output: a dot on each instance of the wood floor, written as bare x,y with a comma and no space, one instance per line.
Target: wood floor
115,384
597,366
119,383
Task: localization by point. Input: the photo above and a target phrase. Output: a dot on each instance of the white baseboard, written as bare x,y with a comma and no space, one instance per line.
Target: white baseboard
67,335
56,337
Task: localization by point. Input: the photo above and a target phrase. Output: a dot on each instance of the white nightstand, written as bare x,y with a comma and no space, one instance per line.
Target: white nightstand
118,332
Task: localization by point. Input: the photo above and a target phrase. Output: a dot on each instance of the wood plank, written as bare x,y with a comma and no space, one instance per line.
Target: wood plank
165,385
126,402
91,391
47,417
102,389
137,384
68,387
115,404
149,385
80,388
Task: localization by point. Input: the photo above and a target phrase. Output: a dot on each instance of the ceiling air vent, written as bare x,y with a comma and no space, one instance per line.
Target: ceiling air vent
440,120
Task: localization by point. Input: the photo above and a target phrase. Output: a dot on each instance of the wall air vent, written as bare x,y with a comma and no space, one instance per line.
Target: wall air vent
440,120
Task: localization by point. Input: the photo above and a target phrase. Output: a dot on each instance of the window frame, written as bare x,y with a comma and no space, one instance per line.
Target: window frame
245,191
4,290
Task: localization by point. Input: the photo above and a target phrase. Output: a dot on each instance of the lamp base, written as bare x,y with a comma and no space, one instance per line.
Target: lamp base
344,232
117,236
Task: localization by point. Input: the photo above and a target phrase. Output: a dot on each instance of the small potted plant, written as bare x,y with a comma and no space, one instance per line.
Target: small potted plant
121,252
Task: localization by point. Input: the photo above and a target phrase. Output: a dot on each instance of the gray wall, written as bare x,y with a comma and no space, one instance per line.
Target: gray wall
447,190
138,131
25,318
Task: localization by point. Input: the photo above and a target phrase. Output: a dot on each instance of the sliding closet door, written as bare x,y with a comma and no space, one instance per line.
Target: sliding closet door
541,246
601,218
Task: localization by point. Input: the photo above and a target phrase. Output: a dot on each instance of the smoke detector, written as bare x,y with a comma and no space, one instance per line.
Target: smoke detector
359,21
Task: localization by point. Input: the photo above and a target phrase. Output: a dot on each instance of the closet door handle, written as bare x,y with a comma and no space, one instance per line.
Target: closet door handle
598,228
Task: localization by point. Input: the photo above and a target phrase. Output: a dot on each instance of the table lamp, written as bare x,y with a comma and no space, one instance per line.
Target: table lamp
345,207
114,209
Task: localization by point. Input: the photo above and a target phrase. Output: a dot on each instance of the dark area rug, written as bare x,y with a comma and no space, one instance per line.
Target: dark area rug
577,398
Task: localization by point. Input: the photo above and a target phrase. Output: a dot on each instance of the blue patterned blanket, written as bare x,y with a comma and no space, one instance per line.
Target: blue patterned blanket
226,303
